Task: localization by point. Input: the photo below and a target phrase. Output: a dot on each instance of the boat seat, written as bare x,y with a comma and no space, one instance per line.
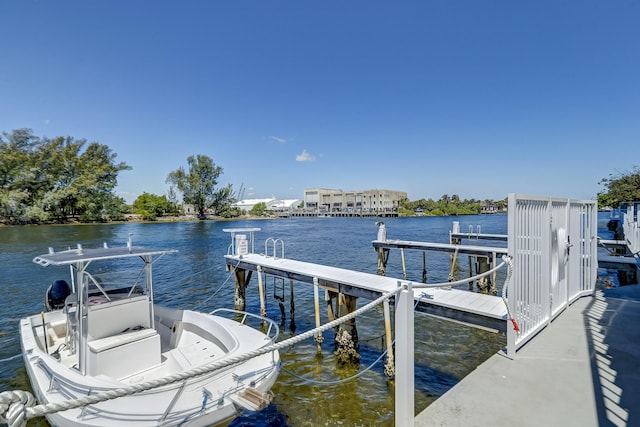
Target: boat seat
114,317
106,343
124,354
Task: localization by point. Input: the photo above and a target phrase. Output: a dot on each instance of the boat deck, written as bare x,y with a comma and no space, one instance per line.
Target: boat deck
479,310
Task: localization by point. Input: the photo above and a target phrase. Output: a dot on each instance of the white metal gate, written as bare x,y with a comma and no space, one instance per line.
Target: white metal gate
553,243
631,228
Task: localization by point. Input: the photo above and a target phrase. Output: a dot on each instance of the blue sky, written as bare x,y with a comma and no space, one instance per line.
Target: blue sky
432,97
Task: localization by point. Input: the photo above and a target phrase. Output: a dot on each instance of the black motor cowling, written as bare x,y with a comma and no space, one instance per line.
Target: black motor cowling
56,294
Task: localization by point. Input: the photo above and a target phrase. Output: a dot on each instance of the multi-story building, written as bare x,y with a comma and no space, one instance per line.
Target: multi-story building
330,200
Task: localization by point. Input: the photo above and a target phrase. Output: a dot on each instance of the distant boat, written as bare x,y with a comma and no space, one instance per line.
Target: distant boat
102,336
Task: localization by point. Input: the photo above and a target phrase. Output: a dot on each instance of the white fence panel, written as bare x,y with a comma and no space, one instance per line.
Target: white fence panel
631,228
553,245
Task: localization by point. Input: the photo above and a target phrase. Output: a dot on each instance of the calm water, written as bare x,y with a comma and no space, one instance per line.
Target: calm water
196,278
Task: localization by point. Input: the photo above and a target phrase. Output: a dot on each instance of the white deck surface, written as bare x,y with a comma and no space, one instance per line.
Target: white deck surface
439,247
582,370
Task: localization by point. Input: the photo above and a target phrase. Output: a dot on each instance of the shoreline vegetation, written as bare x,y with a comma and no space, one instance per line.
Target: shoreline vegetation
136,218
63,180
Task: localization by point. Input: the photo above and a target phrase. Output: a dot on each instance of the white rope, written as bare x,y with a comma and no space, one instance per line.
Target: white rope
12,407
509,261
25,411
461,281
344,380
200,304
506,260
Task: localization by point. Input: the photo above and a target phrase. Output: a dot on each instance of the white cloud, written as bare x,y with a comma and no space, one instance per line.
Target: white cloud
47,122
278,140
305,157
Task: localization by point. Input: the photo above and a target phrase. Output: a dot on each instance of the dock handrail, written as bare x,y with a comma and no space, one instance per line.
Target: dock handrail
477,234
275,247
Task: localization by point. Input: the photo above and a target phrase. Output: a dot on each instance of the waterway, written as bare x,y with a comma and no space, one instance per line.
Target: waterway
313,388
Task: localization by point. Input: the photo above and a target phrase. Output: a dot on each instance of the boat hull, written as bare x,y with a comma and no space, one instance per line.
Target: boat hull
209,399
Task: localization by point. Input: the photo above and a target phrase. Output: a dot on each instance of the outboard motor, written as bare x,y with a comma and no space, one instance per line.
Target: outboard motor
57,292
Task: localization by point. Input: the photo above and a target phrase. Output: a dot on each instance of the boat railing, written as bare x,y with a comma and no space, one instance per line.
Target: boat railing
271,328
274,247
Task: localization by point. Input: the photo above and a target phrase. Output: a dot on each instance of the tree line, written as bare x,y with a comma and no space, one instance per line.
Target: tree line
62,179
57,179
450,205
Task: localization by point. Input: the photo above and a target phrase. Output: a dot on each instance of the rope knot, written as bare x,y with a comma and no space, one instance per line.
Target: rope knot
13,407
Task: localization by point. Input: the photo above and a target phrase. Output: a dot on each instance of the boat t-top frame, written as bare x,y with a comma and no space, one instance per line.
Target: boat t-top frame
81,301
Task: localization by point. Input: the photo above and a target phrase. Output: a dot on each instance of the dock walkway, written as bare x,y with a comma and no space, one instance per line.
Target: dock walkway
487,251
582,370
479,310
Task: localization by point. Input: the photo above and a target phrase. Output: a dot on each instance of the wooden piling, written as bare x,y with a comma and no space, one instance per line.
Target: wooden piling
263,308
383,257
292,304
404,268
470,272
483,266
389,366
316,299
329,296
347,337
239,299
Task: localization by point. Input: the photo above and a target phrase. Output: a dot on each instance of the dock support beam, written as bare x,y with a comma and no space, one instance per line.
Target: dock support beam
404,356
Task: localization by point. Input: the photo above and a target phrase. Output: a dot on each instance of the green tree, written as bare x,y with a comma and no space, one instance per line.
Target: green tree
18,176
198,183
174,207
223,198
258,209
97,181
52,179
620,187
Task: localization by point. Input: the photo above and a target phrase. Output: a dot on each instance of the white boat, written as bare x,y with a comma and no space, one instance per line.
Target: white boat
105,333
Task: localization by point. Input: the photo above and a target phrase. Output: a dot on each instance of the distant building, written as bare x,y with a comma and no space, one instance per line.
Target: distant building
329,200
286,205
272,204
